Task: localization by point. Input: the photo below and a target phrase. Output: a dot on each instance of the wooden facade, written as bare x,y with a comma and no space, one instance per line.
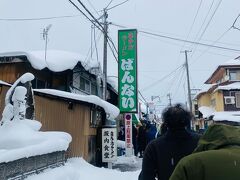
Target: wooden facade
73,117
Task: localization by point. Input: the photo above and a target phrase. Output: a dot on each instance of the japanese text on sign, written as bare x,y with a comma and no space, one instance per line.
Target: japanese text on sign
109,144
127,69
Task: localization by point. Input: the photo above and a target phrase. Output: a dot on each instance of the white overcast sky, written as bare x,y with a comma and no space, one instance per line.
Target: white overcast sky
157,57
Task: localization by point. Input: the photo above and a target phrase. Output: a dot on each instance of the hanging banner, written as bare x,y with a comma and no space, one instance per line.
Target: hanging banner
127,71
109,144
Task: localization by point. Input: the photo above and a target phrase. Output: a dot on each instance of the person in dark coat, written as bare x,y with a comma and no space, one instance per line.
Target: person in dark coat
151,132
217,156
141,139
162,154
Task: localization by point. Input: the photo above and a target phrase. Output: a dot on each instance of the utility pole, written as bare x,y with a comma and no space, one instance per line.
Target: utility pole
105,31
169,98
188,81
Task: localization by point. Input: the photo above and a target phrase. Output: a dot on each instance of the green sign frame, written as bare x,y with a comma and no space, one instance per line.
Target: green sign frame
127,71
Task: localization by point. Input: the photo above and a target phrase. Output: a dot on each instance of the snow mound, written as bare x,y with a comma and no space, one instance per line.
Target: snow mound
79,169
21,139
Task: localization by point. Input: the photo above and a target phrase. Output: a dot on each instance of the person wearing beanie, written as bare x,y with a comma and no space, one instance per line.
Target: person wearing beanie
162,154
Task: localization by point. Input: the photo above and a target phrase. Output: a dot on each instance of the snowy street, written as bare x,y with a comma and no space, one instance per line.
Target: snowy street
79,169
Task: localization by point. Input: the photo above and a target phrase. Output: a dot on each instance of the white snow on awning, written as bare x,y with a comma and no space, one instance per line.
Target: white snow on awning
56,60
110,109
235,85
206,111
233,116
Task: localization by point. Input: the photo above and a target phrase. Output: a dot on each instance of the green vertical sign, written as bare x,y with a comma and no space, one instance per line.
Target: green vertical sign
127,71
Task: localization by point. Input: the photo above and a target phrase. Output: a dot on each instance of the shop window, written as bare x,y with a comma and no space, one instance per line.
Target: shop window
95,117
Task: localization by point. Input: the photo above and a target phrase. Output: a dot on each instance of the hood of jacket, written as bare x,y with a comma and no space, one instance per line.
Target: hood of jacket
218,136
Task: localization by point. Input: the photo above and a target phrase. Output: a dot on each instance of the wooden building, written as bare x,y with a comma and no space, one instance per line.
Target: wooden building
69,113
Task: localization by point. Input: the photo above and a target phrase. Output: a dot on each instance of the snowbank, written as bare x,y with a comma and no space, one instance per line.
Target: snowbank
233,116
79,169
56,60
21,138
110,109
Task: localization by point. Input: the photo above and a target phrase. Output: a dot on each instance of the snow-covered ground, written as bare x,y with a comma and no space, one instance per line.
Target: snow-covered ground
79,169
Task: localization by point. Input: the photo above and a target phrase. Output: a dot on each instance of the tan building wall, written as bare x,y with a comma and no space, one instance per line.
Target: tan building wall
217,101
204,100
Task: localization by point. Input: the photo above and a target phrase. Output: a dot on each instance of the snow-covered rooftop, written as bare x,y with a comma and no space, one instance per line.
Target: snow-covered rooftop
230,62
56,60
22,138
235,85
110,109
205,88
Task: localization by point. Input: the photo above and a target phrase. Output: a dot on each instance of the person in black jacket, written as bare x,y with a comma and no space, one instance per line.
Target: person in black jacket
162,154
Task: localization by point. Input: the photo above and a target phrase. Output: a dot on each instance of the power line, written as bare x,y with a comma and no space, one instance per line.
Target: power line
38,19
84,14
89,2
115,57
183,40
109,4
209,21
118,5
142,96
155,83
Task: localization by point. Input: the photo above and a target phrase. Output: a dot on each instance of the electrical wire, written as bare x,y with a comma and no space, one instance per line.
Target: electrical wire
85,15
109,4
117,5
183,40
142,96
163,78
38,19
89,2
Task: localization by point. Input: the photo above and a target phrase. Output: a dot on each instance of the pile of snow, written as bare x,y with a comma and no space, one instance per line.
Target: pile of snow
22,139
121,144
126,160
79,169
233,116
206,111
56,60
110,109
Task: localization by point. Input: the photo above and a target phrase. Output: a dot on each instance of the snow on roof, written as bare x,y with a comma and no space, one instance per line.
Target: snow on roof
56,60
235,85
4,83
22,139
113,81
230,62
205,88
206,111
110,109
233,116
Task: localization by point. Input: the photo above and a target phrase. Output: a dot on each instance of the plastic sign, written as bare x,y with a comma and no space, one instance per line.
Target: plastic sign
128,134
109,144
127,71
